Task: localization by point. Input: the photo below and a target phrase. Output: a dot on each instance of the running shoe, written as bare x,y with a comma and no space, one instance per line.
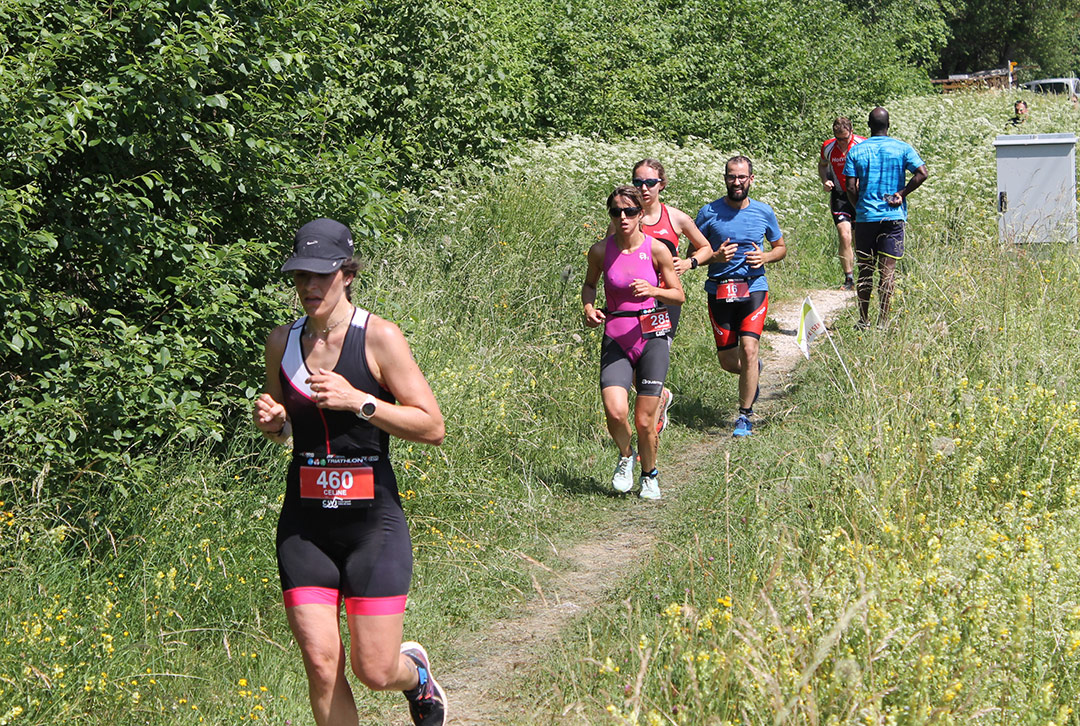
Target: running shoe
862,324
666,399
848,285
743,426
427,702
650,485
623,478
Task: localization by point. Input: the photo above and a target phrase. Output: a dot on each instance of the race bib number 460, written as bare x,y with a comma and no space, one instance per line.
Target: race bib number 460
333,487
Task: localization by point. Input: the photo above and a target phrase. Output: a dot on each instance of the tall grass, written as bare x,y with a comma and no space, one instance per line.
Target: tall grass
905,553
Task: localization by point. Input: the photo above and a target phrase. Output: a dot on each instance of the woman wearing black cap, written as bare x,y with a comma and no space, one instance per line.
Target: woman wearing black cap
340,381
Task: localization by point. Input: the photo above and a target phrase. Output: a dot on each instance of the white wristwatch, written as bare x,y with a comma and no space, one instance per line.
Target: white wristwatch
367,408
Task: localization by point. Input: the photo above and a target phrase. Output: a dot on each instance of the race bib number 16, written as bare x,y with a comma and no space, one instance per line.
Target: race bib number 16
733,290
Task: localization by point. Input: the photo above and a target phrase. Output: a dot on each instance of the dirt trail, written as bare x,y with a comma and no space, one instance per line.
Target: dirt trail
477,688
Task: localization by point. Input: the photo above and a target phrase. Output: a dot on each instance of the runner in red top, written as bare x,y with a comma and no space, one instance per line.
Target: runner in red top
831,170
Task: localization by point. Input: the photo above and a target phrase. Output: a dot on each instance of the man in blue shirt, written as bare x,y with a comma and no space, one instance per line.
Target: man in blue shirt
736,228
876,172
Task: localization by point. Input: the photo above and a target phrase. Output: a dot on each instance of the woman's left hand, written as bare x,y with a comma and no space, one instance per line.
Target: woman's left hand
331,390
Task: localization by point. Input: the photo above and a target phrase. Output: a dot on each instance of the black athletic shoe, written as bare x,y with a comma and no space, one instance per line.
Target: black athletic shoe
848,285
427,702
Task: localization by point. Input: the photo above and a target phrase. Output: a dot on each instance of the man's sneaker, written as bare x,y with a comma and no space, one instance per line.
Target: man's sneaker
848,285
666,399
862,324
743,427
427,702
650,485
623,478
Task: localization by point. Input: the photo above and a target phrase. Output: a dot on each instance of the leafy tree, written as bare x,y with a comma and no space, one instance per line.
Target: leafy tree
920,29
1040,32
740,72
159,153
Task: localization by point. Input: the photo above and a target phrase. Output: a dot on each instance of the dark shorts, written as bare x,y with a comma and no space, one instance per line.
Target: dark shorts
647,376
841,208
880,238
363,557
731,320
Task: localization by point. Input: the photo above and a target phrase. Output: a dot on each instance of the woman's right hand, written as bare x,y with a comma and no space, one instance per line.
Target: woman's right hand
594,318
268,414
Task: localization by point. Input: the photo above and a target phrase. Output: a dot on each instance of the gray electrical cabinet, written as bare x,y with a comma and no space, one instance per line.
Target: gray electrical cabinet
1036,176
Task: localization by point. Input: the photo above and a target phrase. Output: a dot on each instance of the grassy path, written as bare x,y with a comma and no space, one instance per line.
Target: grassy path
480,687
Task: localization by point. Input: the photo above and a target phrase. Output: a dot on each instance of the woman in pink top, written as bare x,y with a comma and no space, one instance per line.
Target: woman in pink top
667,224
636,344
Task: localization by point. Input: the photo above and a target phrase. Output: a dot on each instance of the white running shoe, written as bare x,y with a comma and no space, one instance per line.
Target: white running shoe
666,399
650,485
427,702
623,478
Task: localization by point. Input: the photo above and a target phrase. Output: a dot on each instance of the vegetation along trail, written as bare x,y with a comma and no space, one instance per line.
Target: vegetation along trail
905,549
480,688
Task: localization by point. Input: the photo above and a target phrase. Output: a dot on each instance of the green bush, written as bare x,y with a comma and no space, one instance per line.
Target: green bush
158,155
157,158
742,73
901,553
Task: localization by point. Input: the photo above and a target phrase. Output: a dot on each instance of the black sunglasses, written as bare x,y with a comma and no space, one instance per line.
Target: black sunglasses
630,212
650,183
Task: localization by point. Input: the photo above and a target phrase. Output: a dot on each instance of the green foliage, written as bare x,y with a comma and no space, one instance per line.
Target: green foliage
483,278
987,34
740,72
159,155
919,29
447,83
179,577
901,553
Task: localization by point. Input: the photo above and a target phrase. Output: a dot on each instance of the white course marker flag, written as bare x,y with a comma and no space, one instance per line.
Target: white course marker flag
810,326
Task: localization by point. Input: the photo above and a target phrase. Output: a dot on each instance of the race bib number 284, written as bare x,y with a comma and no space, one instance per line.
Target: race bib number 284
655,322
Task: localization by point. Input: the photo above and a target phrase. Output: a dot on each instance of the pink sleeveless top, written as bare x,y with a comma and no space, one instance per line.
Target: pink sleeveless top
619,271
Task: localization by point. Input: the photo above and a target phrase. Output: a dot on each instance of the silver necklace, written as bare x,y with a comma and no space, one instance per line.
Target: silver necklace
324,331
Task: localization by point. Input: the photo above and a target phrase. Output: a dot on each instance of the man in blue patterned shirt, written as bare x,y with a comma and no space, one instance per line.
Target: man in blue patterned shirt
877,185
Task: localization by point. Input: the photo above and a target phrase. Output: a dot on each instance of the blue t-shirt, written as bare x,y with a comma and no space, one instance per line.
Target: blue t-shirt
879,164
719,222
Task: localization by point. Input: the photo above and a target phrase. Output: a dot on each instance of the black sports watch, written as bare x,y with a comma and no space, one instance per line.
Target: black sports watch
367,408
693,263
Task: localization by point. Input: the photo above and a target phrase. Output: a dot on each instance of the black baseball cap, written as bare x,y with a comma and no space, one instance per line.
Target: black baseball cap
320,246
